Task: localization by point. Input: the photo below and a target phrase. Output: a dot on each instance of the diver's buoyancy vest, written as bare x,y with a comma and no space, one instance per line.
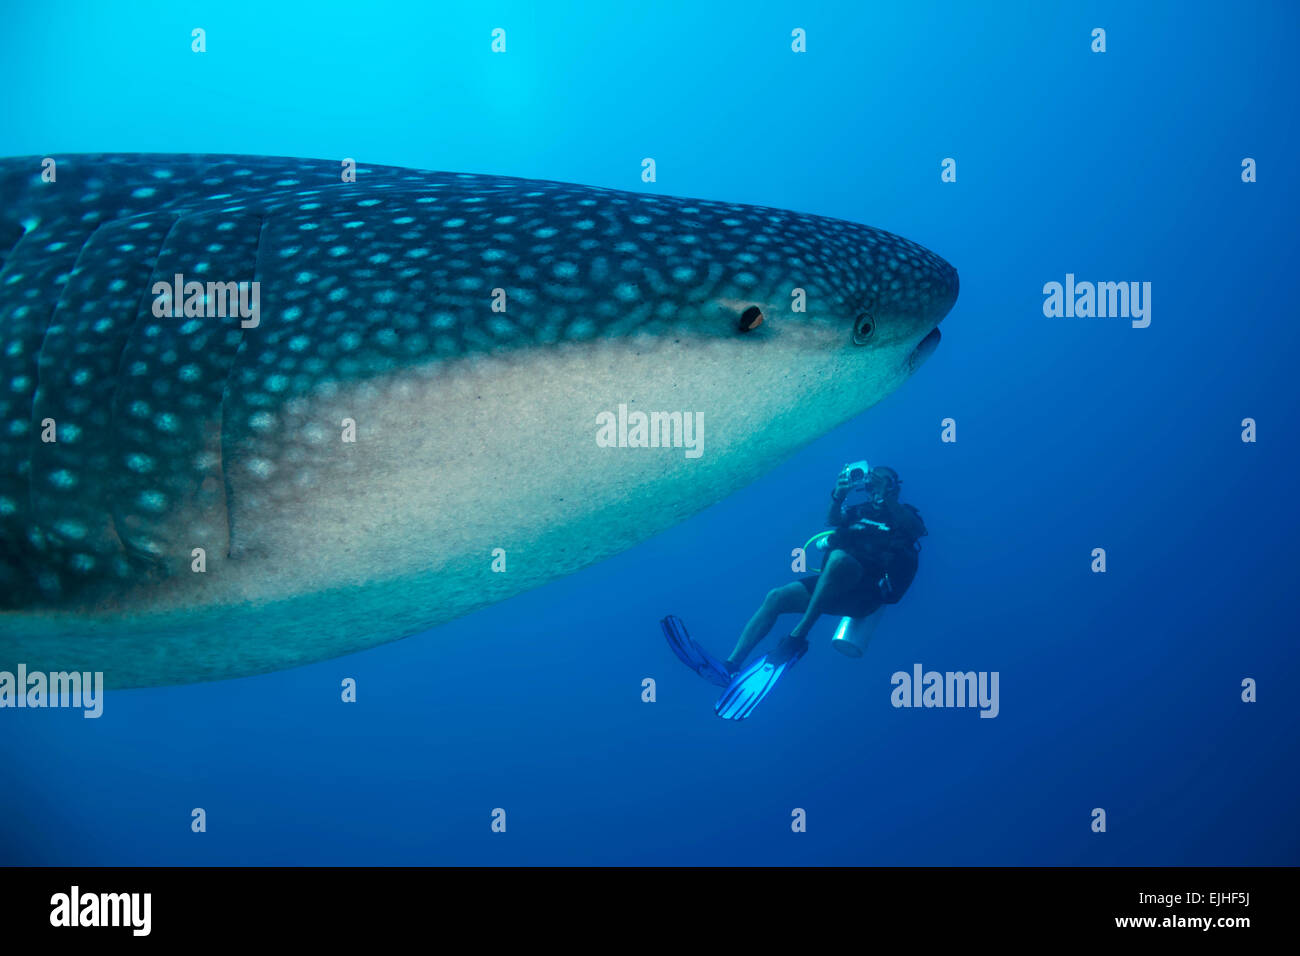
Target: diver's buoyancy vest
921,531
898,552
905,557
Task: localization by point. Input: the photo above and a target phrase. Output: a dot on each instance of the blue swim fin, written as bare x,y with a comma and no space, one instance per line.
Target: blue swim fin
692,654
757,680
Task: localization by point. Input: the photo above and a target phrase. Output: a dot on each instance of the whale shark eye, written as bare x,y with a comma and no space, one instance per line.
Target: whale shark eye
864,327
751,318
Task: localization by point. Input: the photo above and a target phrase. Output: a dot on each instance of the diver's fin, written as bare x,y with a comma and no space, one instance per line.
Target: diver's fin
757,680
692,654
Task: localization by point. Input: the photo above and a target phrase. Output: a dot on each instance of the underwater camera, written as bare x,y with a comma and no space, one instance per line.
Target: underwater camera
856,472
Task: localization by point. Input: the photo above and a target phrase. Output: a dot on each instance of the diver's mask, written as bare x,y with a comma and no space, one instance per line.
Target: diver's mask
881,485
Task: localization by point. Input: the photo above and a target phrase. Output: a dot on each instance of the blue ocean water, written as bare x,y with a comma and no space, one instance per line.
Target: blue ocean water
1119,690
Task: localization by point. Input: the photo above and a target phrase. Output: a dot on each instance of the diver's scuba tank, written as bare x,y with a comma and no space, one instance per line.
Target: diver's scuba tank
854,633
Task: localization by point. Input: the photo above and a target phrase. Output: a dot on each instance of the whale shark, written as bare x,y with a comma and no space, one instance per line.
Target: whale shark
407,426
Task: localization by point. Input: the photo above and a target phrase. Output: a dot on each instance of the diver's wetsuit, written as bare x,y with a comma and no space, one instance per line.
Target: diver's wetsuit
881,553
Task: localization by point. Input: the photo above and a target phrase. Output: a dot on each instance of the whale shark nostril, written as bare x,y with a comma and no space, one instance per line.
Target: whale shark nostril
923,350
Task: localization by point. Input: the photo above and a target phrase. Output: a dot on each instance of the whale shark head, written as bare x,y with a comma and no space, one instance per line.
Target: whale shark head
456,388
809,287
770,318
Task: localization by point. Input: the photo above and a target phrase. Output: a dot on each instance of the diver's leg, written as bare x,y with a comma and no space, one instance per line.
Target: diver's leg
790,599
840,574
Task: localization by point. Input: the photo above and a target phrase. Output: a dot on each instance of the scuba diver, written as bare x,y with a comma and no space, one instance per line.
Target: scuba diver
871,559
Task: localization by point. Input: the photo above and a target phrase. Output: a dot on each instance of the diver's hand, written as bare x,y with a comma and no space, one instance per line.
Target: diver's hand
842,488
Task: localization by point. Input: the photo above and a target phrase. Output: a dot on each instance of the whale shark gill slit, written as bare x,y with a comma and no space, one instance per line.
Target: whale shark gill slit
10,233
223,454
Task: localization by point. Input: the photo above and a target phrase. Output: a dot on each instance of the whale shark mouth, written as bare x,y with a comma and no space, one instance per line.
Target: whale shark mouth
924,350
